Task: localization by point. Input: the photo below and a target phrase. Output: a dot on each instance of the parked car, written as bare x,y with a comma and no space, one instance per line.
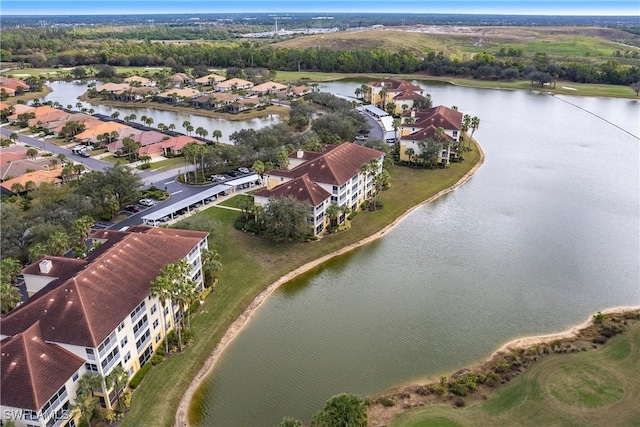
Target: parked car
244,170
132,208
233,173
217,178
209,200
164,219
85,153
146,202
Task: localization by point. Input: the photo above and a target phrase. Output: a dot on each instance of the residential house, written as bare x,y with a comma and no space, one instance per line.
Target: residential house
295,92
210,79
113,88
175,96
139,81
267,88
92,134
89,316
143,137
179,79
243,104
13,86
214,100
419,125
15,163
337,171
36,111
88,121
233,84
168,147
36,178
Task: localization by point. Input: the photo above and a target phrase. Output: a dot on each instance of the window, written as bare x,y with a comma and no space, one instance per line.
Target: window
137,311
143,340
124,341
157,338
120,326
106,344
145,356
155,324
127,357
75,377
140,325
90,354
91,367
166,311
111,357
153,308
54,402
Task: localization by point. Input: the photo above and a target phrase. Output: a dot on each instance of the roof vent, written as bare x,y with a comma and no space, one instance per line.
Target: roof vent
45,266
300,154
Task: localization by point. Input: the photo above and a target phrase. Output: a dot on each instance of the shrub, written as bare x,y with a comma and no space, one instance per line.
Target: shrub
312,238
599,317
459,403
351,215
501,366
492,379
160,350
145,166
156,360
139,376
125,399
599,339
205,293
422,390
387,401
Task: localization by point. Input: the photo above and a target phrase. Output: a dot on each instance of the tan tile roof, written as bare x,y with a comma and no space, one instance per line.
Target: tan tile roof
32,369
335,166
20,166
89,302
233,82
268,86
13,83
137,79
180,92
113,87
37,177
210,77
396,85
101,128
302,189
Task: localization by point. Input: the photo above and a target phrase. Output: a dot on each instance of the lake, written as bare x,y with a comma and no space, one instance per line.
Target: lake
545,234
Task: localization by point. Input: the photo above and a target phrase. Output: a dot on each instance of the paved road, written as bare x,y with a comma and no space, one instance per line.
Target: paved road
376,129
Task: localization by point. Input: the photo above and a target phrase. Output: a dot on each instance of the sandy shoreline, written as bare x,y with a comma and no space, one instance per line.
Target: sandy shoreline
182,418
569,333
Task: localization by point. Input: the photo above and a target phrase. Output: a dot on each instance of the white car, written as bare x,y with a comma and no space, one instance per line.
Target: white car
244,170
146,202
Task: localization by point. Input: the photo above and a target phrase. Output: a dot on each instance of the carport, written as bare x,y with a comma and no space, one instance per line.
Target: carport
244,182
154,218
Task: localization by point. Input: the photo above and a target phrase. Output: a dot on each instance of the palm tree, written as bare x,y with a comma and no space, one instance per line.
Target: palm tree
187,292
210,264
78,104
78,168
17,188
143,119
58,243
475,124
410,152
130,146
80,230
161,289
13,137
32,153
132,117
118,380
10,270
86,402
54,163
258,167
115,115
202,132
172,126
189,130
396,126
332,212
66,172
186,124
10,297
217,134
62,157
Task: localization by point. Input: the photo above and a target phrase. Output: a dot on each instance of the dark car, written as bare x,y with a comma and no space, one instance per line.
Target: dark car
233,173
132,208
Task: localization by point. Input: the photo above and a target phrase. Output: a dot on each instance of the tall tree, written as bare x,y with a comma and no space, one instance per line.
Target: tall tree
58,243
211,264
118,380
161,289
217,134
286,220
9,297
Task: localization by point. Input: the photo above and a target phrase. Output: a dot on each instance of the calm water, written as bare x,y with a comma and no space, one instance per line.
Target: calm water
545,234
68,92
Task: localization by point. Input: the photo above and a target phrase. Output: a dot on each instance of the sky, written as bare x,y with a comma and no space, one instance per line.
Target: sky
502,7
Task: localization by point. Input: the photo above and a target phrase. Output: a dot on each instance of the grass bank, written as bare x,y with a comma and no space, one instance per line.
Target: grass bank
561,87
578,383
251,264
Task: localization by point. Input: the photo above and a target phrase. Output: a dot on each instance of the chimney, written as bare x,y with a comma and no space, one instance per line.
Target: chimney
300,154
45,266
413,113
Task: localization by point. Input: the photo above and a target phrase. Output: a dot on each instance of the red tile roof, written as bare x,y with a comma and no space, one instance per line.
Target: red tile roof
428,132
439,116
32,369
302,189
396,85
335,166
89,301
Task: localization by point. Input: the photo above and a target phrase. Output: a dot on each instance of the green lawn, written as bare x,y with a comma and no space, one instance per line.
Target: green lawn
235,201
166,164
250,265
57,72
594,388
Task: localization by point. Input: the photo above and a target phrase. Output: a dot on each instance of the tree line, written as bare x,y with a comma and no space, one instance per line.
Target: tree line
50,48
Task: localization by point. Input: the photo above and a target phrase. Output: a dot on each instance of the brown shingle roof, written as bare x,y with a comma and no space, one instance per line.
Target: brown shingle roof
97,297
302,189
33,370
428,132
336,166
